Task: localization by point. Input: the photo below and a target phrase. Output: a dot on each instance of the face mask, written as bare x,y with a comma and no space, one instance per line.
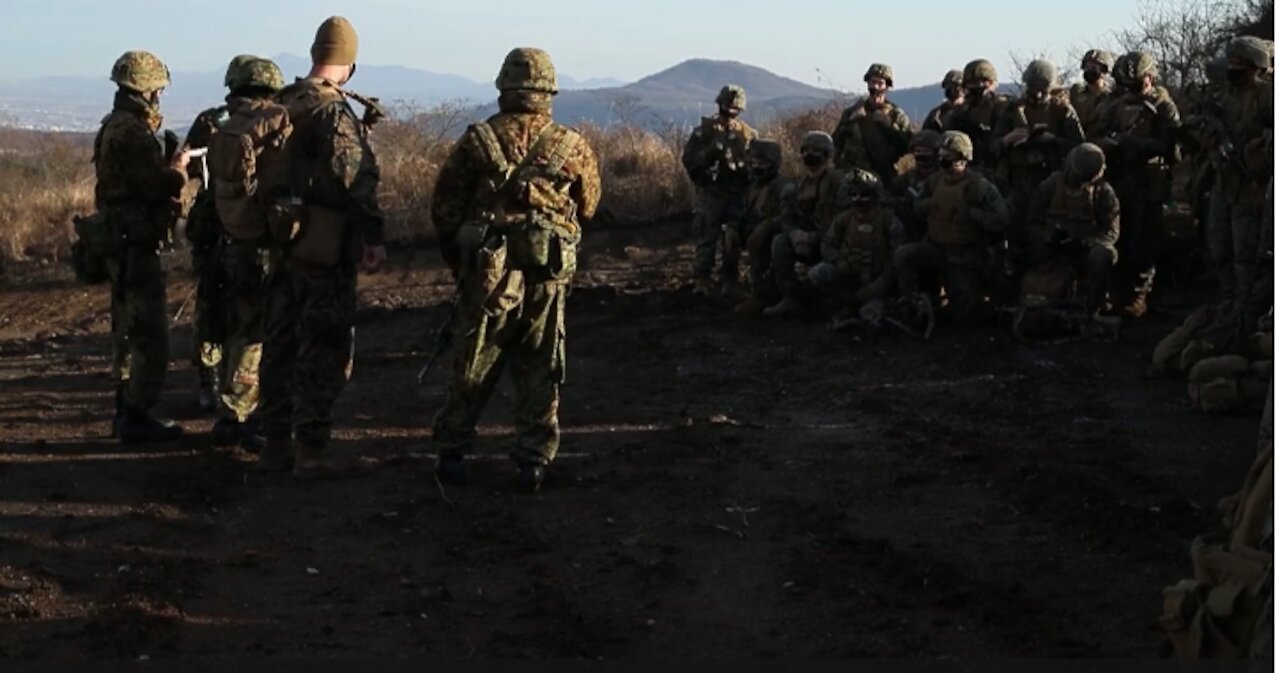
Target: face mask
763,172
814,160
954,93
1237,76
1092,76
926,160
863,203
731,113
975,92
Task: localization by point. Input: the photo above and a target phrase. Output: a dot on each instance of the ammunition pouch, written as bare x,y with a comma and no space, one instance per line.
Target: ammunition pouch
500,287
543,249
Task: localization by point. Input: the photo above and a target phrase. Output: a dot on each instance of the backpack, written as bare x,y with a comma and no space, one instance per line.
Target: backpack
249,167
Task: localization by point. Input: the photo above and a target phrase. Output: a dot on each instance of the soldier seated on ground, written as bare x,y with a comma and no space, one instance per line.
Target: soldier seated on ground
1075,219
757,226
857,249
908,187
965,218
807,210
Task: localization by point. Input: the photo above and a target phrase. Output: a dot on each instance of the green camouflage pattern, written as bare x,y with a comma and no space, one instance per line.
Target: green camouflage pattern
880,70
732,96
977,70
1040,75
139,315
254,72
527,69
958,142
140,71
872,137
1102,57
1254,51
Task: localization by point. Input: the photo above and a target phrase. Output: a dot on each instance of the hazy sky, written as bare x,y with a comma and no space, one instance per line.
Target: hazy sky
587,38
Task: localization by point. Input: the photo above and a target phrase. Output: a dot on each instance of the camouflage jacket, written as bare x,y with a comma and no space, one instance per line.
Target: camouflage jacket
1248,118
715,157
334,164
872,138
904,191
978,120
129,160
464,187
864,247
1139,130
1090,215
939,117
1089,104
203,227
1032,160
762,203
810,203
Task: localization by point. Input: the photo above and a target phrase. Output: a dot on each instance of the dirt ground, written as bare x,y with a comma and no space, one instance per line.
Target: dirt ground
728,488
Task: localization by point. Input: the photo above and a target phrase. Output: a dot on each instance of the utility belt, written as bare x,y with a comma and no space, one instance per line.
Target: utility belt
513,251
310,233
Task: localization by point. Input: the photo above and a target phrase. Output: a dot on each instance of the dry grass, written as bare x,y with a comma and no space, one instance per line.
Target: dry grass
45,179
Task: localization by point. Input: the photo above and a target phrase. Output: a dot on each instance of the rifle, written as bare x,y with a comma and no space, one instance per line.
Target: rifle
444,339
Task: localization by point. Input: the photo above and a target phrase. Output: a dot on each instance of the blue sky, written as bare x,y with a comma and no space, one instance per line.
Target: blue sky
826,42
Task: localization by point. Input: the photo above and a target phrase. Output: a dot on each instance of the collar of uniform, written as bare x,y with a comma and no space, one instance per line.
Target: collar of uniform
134,104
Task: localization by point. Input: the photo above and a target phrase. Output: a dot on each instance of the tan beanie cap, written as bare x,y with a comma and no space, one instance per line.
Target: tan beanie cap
336,43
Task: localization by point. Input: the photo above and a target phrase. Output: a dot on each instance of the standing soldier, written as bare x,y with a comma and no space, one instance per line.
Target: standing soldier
1035,134
716,160
808,208
873,133
981,111
204,233
1138,132
1244,166
243,261
1074,217
311,290
965,214
138,190
1091,95
953,89
508,206
759,223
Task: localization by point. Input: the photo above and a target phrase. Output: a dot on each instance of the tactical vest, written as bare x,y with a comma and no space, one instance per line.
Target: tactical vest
1085,101
759,198
1072,210
880,150
1244,113
729,140
812,192
1030,157
866,244
978,121
948,215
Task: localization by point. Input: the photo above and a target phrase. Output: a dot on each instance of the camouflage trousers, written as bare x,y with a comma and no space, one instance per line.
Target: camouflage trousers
760,257
782,263
712,211
208,321
963,271
1234,232
530,338
308,336
139,325
1142,194
1094,265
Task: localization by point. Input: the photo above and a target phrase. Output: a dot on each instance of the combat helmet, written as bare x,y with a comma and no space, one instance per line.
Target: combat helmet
140,71
1133,66
527,69
953,78
1086,162
880,70
958,142
254,73
1040,75
978,70
1251,50
732,96
1099,56
819,141
928,139
766,150
859,182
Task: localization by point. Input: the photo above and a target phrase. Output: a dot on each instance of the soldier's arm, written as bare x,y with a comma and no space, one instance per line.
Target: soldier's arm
586,189
202,129
832,239
354,168
1163,140
842,130
1071,133
903,133
453,196
1005,125
1038,205
133,148
989,210
1106,209
694,157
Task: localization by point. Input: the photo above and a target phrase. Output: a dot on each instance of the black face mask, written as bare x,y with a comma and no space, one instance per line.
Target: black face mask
1237,76
763,172
729,113
975,93
926,160
814,160
954,94
1092,76
863,203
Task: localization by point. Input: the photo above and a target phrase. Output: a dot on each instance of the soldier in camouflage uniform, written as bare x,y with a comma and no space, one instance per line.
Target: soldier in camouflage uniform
858,248
1074,217
808,207
982,110
508,206
139,193
715,157
873,133
311,289
953,89
204,233
1035,134
238,277
1138,132
1090,96
759,223
1243,167
965,216
911,185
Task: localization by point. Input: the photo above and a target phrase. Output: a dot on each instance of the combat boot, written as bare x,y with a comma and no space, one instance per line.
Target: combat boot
314,462
785,308
1136,308
276,455
529,477
451,470
140,427
703,287
228,431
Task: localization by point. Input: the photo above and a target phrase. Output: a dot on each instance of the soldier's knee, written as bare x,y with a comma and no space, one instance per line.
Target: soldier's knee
1102,257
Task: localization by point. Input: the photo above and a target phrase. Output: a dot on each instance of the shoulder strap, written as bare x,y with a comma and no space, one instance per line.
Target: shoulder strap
492,148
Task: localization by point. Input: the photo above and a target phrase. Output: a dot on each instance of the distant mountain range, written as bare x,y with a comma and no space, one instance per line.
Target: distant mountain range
680,95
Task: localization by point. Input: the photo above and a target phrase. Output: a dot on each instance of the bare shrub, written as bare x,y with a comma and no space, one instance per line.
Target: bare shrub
47,179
